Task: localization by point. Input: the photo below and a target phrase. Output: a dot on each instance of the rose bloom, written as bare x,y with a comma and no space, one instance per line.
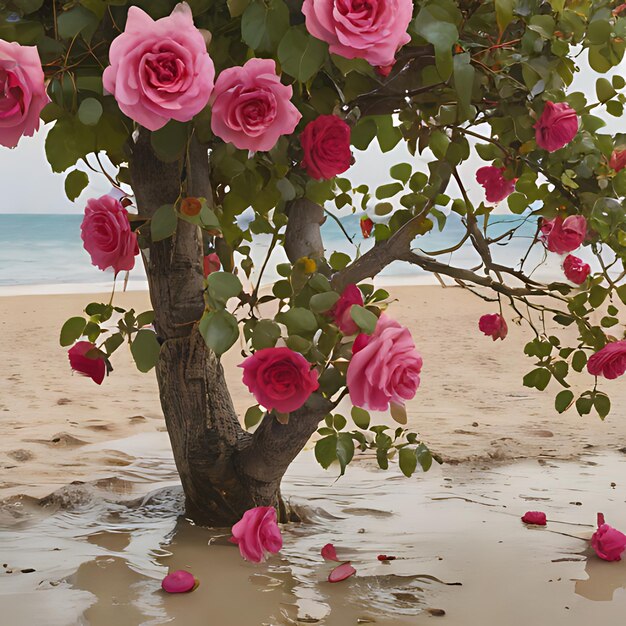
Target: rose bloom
326,145
564,235
534,517
160,70
609,362
365,30
497,187
251,107
366,227
279,378
385,367
22,92
211,264
341,311
608,542
493,325
94,368
575,269
107,235
618,159
556,127
257,534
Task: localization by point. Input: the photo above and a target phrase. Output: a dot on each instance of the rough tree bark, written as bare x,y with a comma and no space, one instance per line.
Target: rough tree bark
223,469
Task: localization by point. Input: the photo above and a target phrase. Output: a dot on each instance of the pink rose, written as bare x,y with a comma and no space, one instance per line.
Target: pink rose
257,533
534,517
564,235
556,127
341,311
618,159
160,70
385,369
179,581
609,362
575,270
85,365
211,264
608,542
22,92
497,187
365,30
107,235
279,378
251,107
493,325
326,145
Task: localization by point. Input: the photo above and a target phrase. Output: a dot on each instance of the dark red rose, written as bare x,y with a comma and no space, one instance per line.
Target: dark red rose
326,146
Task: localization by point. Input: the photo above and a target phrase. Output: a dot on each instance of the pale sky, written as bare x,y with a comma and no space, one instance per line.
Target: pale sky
29,186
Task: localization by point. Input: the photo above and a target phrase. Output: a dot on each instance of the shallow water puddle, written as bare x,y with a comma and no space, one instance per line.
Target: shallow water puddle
98,557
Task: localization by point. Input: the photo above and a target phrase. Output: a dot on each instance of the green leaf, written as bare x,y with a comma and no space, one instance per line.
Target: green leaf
28,6
301,55
253,416
504,13
407,460
398,413
298,320
401,172
265,334
360,417
169,143
442,35
75,183
145,319
237,7
364,319
163,223
464,79
90,111
220,331
326,451
424,457
388,190
222,286
145,349
602,404
322,302
264,24
563,400
76,21
583,405
345,451
604,89
339,260
72,330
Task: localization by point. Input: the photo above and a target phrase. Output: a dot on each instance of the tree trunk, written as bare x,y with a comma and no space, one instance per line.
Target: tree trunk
223,469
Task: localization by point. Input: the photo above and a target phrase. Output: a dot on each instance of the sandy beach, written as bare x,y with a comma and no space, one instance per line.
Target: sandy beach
505,448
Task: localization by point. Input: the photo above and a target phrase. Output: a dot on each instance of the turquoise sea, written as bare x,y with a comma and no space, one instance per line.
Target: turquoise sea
45,251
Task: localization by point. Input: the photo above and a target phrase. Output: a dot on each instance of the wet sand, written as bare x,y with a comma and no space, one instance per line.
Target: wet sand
99,560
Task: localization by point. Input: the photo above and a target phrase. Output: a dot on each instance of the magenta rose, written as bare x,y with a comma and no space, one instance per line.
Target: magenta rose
341,311
609,362
279,379
85,364
608,542
556,127
385,368
211,264
326,145
493,325
257,534
107,236
564,235
160,70
537,518
618,159
354,29
22,92
251,107
497,187
575,269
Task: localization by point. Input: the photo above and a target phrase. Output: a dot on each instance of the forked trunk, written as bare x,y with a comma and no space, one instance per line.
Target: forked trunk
223,469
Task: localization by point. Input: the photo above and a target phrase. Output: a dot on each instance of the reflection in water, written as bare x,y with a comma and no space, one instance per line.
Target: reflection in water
98,558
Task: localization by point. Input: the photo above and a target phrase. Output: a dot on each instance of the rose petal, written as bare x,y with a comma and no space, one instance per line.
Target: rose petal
329,553
341,572
179,581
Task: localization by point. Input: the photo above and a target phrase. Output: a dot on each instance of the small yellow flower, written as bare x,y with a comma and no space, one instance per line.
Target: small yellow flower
307,265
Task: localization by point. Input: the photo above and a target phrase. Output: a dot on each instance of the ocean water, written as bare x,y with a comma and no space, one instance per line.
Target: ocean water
44,253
